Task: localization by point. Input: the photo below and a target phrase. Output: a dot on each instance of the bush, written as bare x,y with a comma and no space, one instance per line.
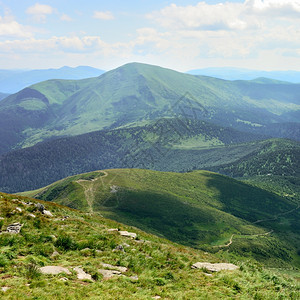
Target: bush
3,260
66,243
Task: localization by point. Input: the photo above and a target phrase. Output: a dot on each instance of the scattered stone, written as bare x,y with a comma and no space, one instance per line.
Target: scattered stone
208,275
156,297
125,245
1,218
14,228
18,209
64,279
109,273
40,207
4,288
214,267
14,200
24,203
54,270
112,229
135,278
65,218
81,274
47,213
55,254
31,215
119,248
118,268
128,234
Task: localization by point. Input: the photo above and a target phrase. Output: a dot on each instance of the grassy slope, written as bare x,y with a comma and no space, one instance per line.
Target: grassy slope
200,209
162,267
137,92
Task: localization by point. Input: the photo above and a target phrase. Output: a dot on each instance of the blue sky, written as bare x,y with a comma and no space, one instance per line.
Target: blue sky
182,35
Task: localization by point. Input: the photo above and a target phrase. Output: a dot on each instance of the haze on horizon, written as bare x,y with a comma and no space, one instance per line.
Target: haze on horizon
182,35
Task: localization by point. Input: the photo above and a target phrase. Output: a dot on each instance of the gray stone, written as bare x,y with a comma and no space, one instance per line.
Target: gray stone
64,279
119,248
135,278
31,215
109,273
47,213
118,268
214,267
54,270
4,288
55,254
18,209
14,228
40,207
128,234
81,274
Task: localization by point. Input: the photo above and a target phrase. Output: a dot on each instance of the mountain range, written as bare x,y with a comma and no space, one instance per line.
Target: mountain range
228,73
12,81
137,93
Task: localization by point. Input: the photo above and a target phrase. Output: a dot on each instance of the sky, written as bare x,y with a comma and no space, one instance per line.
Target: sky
181,35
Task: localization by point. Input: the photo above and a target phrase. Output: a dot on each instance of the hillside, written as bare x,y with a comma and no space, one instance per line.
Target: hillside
135,93
199,209
97,262
167,144
12,81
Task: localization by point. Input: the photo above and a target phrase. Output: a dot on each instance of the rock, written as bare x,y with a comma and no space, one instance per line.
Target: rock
14,228
112,229
113,189
119,248
156,297
81,274
31,215
109,273
64,279
128,234
135,277
18,209
118,268
40,207
214,267
125,245
47,213
55,254
54,270
4,288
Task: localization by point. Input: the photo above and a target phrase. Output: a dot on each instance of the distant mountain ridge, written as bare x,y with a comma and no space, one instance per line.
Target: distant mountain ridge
137,93
228,73
12,81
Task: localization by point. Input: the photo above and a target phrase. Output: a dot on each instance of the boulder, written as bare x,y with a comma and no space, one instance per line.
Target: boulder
47,213
31,215
214,267
81,274
14,228
128,234
18,209
54,270
118,268
109,273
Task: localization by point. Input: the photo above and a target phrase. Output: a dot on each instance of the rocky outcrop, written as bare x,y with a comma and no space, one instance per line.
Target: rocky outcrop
214,267
81,275
128,234
14,228
54,270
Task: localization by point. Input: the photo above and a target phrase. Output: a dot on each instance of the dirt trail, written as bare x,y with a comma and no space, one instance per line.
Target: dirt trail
87,186
246,235
276,217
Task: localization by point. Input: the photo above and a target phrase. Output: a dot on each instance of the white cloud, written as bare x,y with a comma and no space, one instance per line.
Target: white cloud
10,28
40,11
103,15
66,18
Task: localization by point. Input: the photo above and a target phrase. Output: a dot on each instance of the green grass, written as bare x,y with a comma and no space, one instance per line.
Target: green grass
199,209
163,268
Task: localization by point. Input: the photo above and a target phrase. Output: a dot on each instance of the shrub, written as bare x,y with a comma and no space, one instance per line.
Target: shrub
3,260
66,243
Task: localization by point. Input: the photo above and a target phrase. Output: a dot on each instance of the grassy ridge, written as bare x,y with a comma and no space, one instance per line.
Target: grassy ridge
200,209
